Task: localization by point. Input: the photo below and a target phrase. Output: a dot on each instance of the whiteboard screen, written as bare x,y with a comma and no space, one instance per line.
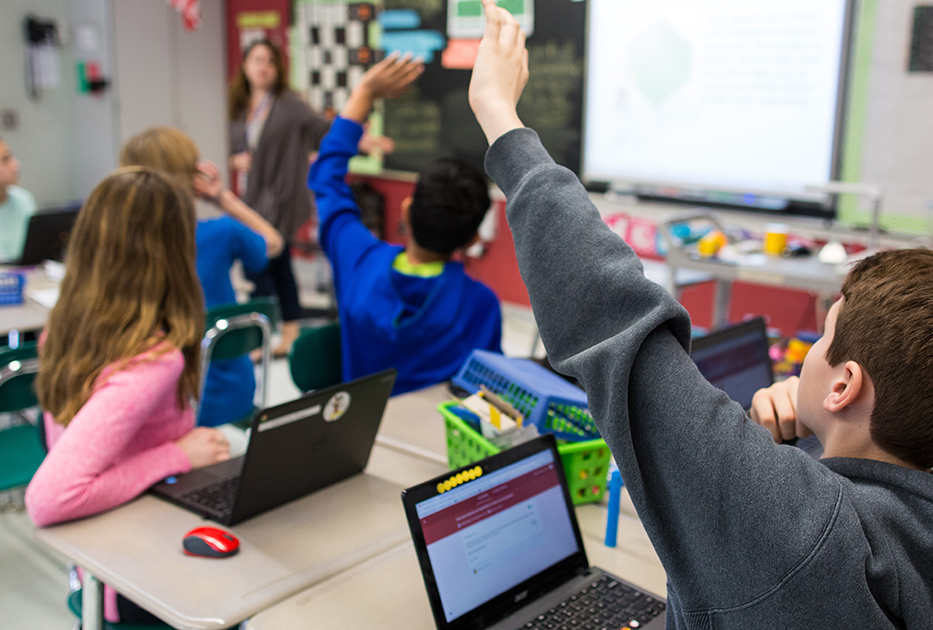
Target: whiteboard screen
735,95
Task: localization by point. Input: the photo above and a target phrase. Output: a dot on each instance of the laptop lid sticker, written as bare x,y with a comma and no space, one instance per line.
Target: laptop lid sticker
337,406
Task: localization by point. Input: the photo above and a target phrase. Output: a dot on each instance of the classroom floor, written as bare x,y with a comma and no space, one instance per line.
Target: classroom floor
34,581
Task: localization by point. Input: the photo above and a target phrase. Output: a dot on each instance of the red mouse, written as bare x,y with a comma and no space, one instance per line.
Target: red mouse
210,542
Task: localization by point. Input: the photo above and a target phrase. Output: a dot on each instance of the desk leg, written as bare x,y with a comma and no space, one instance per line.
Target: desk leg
721,302
92,603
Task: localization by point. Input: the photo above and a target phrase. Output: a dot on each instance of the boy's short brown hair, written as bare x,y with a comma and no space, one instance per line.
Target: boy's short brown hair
885,324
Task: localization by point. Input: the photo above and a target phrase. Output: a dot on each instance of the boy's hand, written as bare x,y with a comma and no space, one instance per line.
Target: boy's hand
387,79
208,183
775,408
500,73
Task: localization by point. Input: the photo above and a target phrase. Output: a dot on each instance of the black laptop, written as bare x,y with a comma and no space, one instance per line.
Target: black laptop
47,235
735,359
294,449
499,547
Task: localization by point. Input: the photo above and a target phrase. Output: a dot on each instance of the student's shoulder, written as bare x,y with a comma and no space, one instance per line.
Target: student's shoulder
23,198
163,361
480,292
218,225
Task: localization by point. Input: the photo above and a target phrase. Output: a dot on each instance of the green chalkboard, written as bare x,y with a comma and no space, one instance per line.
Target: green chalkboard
434,118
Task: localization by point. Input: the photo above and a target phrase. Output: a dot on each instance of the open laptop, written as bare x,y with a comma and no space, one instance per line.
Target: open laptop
499,547
735,359
294,449
47,235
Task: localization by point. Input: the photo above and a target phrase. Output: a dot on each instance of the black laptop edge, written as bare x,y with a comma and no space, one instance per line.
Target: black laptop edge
239,463
528,591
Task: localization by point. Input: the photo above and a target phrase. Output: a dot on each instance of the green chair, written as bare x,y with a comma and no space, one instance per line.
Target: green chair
235,330
21,447
314,359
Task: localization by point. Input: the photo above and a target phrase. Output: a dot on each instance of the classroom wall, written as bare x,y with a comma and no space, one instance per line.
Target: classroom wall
170,76
45,134
897,136
160,73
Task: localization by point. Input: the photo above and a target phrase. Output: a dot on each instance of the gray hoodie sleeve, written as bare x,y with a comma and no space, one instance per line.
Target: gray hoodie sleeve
712,489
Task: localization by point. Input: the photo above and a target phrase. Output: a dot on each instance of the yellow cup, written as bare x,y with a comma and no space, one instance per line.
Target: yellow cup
775,238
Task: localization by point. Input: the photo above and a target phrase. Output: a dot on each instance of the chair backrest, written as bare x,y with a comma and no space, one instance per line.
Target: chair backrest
18,368
22,447
231,342
314,359
234,330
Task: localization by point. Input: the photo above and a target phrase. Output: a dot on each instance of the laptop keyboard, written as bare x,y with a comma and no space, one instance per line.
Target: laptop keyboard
605,604
217,496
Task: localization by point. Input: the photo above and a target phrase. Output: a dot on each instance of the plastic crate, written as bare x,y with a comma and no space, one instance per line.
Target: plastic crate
11,288
585,463
545,399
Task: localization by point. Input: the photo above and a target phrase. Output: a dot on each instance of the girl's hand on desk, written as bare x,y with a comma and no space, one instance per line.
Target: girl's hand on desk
204,446
775,408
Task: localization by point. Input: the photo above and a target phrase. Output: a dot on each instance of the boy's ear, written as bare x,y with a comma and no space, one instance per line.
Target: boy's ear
846,387
406,208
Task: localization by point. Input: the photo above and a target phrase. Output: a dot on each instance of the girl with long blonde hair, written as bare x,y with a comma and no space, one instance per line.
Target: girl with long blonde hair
119,359
240,235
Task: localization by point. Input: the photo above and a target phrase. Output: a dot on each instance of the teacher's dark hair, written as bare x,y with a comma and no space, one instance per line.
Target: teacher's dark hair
239,87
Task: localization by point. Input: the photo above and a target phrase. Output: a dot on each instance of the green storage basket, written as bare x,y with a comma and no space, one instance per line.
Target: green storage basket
585,463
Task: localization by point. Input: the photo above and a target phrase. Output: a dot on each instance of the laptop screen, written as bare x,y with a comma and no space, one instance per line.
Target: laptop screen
736,360
497,531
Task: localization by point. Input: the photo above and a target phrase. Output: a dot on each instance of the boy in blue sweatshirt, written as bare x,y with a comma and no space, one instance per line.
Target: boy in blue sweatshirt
411,307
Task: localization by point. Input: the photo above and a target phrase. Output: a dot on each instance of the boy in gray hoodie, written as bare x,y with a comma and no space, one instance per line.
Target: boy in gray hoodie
752,533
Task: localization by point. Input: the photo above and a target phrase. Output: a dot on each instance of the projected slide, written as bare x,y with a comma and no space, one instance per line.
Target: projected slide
733,93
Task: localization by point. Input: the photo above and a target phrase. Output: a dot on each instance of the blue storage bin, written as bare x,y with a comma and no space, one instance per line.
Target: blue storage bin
11,288
544,398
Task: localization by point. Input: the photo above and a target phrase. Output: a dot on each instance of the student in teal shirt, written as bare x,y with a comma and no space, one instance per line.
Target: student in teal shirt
16,206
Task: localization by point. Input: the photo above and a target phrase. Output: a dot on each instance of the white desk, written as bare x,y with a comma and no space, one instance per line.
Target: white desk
137,547
387,591
137,550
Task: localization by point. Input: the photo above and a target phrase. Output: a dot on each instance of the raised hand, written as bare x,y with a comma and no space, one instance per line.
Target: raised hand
500,73
387,79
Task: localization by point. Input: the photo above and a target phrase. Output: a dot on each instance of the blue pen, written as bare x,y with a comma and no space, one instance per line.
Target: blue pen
612,521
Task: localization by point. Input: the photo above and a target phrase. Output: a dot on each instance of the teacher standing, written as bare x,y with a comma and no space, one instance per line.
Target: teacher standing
273,133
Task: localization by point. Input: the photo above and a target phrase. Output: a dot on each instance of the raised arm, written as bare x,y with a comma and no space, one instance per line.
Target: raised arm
342,235
704,478
209,186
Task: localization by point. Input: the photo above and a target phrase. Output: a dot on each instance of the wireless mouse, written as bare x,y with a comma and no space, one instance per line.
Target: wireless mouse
210,542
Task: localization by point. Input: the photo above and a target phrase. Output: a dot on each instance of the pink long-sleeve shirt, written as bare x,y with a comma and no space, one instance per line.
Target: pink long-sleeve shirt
120,443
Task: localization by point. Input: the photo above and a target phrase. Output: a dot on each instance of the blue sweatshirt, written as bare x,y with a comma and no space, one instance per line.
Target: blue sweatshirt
231,384
423,327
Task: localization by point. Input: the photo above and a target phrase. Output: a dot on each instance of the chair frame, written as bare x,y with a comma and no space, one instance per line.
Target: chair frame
9,371
213,336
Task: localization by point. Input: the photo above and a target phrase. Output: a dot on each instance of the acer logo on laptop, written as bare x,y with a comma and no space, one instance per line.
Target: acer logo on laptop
521,596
